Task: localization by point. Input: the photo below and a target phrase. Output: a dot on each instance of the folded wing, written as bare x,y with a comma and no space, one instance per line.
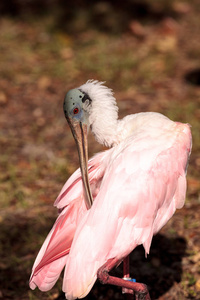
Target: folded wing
135,200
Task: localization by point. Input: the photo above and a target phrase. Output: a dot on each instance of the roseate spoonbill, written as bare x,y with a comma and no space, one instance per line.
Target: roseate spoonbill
136,187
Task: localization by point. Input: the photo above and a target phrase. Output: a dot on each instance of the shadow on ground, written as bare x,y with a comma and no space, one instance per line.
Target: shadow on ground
193,77
21,237
159,271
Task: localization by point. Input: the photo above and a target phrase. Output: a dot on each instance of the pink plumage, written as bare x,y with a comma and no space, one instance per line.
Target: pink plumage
136,186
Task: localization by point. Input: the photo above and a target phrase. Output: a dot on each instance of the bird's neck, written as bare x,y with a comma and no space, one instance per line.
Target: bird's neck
106,131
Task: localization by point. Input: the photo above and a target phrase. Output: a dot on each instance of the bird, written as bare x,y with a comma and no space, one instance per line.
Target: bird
118,199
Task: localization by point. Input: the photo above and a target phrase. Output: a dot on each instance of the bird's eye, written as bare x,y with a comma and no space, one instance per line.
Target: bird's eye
76,111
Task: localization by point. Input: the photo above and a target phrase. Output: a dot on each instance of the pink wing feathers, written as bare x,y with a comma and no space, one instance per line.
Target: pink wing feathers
53,254
142,186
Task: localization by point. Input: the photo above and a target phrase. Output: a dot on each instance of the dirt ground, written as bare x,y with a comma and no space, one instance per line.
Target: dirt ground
148,52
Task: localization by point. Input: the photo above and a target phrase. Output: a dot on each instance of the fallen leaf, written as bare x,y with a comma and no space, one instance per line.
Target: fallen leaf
137,29
197,285
166,44
44,82
3,98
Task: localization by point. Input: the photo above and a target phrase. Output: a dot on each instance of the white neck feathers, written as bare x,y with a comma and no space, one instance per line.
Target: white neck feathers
103,112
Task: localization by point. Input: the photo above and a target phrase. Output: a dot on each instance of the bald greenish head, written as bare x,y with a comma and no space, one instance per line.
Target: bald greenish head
75,106
76,109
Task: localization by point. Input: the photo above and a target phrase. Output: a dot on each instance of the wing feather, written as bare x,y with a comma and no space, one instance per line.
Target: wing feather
53,254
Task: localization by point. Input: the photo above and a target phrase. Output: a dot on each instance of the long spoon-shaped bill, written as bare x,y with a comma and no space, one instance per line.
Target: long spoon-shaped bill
79,131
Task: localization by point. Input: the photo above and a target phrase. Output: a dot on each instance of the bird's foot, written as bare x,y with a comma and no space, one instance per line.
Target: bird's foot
138,290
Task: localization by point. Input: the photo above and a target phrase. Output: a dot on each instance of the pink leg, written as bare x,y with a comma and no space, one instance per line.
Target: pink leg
126,267
126,274
138,289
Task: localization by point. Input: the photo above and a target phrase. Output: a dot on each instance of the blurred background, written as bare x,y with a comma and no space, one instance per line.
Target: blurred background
148,52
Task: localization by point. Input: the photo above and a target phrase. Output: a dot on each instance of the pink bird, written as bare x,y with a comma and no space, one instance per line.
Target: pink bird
120,198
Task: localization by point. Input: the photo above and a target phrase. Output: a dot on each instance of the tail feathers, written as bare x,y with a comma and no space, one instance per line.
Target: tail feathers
81,293
47,277
79,285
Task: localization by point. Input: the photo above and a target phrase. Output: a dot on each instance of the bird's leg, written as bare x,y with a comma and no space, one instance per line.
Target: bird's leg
126,274
139,290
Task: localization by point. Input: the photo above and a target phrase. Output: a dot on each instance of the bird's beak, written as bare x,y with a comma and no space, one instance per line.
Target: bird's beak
79,131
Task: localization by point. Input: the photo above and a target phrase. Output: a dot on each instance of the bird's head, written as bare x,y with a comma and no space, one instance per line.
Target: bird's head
91,105
76,109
